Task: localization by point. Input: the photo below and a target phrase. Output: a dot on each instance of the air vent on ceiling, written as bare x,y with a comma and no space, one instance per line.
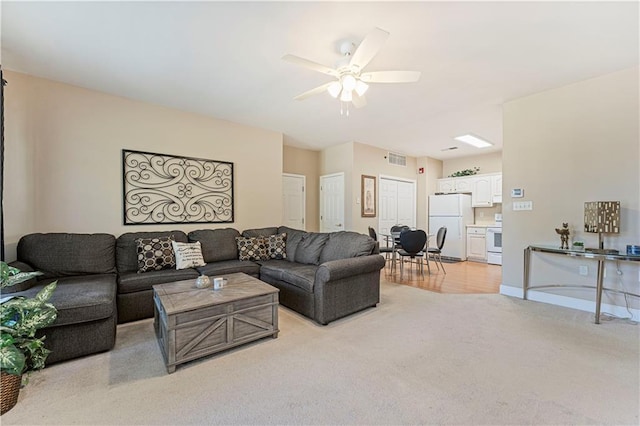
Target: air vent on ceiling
397,159
451,148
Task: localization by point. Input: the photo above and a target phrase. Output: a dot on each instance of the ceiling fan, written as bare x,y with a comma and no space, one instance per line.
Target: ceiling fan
350,82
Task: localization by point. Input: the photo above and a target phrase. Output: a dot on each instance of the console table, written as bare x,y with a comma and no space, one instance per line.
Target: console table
600,257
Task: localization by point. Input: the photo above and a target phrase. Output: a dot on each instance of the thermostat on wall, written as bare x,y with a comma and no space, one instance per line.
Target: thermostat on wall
517,193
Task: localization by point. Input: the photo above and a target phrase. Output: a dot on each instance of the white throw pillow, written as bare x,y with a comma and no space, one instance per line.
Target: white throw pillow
188,255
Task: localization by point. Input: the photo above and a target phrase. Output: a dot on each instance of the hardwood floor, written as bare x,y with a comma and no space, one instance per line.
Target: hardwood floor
461,277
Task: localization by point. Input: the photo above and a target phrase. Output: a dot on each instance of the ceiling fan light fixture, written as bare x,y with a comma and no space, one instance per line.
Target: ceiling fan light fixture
334,89
361,87
346,96
349,82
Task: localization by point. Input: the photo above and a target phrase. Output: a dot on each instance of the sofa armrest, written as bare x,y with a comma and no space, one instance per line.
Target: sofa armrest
343,268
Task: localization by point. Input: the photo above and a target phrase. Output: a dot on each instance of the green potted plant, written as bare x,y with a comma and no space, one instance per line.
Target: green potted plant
20,318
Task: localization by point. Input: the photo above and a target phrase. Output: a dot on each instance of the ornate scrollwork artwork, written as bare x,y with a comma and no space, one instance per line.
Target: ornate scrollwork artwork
161,188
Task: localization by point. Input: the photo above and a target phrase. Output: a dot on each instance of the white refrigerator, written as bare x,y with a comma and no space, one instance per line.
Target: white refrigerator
455,212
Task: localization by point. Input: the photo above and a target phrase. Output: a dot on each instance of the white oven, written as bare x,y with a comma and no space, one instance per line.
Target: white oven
494,242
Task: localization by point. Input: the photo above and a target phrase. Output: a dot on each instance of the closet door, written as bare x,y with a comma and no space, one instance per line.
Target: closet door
397,204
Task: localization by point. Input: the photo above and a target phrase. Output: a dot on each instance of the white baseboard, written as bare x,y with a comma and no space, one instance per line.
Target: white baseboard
507,290
570,302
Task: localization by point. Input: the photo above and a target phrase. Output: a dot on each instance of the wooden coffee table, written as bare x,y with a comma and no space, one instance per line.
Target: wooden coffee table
191,323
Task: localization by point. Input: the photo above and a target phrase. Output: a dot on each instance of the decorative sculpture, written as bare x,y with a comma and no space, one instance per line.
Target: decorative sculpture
564,236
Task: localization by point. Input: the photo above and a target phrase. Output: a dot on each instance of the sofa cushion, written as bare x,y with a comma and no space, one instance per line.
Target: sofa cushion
294,236
224,267
80,299
346,244
126,252
217,244
309,249
188,255
277,246
155,254
129,282
253,248
297,274
63,254
260,232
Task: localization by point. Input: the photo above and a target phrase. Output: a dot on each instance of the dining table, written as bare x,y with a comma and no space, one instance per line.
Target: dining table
392,239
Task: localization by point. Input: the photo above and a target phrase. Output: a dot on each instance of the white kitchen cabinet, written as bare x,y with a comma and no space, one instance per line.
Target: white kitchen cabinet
496,188
482,191
447,186
463,184
455,185
477,244
485,189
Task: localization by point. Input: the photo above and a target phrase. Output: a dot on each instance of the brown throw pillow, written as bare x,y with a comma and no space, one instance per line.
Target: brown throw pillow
254,248
276,246
155,254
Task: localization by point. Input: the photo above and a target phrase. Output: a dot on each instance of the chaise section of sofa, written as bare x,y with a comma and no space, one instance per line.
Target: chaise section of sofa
85,296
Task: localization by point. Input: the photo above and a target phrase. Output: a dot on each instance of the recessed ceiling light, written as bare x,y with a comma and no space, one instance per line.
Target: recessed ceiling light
473,141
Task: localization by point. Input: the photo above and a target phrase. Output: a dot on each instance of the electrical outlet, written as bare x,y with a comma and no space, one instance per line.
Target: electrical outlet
583,270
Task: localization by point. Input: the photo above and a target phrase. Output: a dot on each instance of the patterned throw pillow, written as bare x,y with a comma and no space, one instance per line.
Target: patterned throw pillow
188,255
276,246
252,248
155,254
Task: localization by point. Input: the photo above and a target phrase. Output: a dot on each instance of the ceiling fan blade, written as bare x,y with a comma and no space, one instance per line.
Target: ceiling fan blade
390,76
358,101
310,64
368,48
309,93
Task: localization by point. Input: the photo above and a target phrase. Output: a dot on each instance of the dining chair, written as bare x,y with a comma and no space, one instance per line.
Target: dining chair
436,252
413,243
386,249
395,231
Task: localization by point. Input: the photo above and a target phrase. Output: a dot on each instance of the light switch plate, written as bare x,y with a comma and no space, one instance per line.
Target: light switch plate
522,205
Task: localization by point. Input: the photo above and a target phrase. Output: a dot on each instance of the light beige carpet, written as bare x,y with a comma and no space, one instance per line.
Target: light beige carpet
418,358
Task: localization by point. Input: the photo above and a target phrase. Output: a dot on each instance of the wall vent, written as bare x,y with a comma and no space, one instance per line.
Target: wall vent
397,159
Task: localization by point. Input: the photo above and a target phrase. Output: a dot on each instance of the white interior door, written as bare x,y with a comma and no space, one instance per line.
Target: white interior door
407,203
388,205
397,204
293,202
332,202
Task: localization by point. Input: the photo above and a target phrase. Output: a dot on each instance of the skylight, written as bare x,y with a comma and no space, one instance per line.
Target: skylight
473,141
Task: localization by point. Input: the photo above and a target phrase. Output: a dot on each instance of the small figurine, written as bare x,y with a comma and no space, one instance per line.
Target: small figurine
564,236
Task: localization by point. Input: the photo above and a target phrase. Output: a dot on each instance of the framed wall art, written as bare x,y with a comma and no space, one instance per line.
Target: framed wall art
368,196
162,189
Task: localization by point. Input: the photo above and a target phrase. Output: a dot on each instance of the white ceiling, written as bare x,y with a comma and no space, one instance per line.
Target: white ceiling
222,59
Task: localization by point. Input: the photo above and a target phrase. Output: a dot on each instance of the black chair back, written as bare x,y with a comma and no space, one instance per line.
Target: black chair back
413,241
440,237
372,233
399,228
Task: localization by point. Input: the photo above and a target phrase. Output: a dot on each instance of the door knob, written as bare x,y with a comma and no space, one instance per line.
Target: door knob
339,224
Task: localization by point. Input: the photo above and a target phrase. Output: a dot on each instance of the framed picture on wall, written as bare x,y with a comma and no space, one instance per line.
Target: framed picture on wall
368,196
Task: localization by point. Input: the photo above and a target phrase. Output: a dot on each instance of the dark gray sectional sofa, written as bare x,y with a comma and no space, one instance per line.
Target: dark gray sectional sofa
325,276
85,268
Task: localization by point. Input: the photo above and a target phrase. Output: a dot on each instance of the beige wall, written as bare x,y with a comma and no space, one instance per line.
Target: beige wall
339,159
307,163
488,163
63,158
563,147
369,160
427,185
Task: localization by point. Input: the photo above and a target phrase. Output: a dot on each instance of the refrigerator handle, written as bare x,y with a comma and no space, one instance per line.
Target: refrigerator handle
460,229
